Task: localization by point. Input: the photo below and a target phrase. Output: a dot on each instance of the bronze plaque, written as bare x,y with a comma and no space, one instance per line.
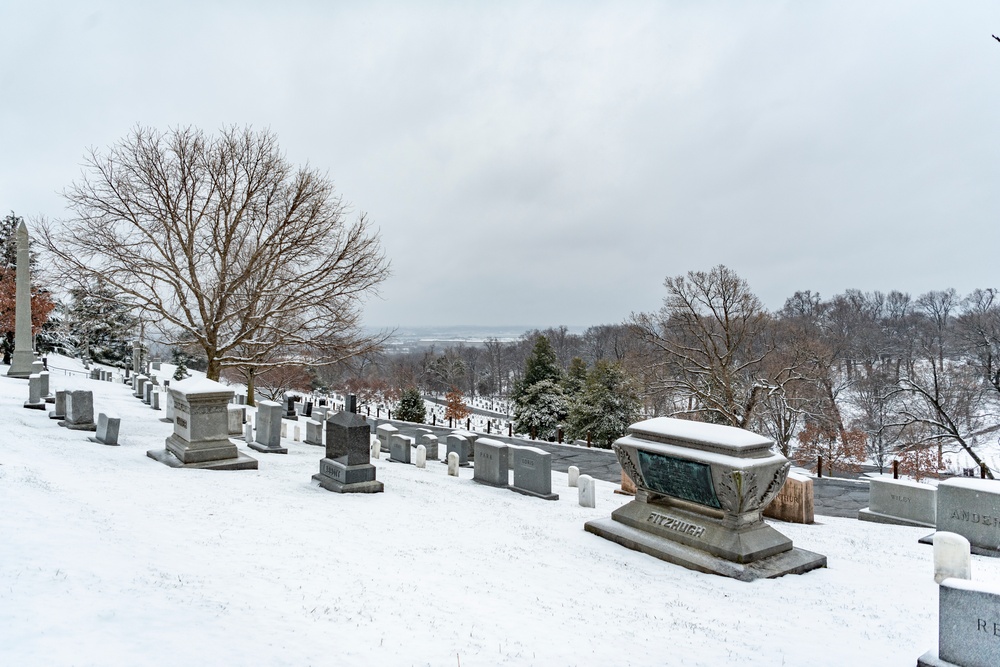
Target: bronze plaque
686,480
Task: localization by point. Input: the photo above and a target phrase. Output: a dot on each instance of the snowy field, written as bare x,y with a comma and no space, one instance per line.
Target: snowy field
109,558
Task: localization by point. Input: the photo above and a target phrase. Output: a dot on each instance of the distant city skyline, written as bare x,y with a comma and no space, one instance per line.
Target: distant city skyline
554,162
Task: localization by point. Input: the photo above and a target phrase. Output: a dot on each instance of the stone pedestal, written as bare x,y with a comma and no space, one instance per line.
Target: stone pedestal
347,467
700,493
268,429
201,429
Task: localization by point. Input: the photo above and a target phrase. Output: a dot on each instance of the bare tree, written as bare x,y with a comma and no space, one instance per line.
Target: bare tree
713,336
224,243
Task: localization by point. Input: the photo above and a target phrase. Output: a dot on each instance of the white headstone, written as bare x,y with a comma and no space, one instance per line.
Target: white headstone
951,557
588,492
284,430
453,464
376,447
247,432
296,434
574,475
421,456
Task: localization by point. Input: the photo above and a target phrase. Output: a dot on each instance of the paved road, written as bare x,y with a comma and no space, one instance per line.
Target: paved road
831,496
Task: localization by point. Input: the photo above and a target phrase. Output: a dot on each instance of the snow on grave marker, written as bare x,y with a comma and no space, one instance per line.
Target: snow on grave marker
270,429
587,494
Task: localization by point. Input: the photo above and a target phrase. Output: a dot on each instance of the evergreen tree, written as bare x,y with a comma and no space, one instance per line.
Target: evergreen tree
576,377
102,322
540,409
181,371
606,407
541,365
411,406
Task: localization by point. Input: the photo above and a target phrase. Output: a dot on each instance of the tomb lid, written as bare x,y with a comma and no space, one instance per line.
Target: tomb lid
490,442
728,440
201,386
525,448
386,428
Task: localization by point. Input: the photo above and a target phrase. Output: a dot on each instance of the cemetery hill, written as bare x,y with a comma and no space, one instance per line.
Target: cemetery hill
209,460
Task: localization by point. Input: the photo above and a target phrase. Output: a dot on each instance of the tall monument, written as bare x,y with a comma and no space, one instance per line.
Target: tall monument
20,365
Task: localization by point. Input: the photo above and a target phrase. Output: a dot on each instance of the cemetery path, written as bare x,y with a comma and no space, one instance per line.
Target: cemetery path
832,496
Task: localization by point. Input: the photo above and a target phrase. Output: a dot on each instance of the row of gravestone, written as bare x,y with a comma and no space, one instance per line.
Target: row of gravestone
968,507
493,459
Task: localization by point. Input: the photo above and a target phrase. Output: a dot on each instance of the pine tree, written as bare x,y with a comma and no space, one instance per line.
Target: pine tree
102,322
576,377
540,409
605,408
181,371
541,365
411,407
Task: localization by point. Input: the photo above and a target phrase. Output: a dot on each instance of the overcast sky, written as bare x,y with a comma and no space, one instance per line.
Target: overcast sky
551,163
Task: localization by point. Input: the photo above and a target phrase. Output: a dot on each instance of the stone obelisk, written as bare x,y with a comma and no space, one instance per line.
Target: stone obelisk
20,366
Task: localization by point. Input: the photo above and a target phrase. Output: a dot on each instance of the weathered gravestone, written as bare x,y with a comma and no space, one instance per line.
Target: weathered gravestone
532,472
430,443
700,492
347,467
201,429
384,433
140,385
314,432
23,356
901,502
795,502
235,415
168,402
47,396
107,429
399,448
460,446
34,401
587,493
971,508
147,393
470,438
79,411
492,463
968,626
268,429
59,408
155,402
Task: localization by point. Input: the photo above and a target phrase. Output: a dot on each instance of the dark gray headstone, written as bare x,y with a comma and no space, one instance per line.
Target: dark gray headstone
348,439
351,403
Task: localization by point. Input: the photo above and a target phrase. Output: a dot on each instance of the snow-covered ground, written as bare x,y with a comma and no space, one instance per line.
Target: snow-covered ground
109,558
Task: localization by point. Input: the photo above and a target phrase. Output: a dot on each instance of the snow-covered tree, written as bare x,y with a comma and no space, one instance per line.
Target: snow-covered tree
102,321
411,406
606,407
540,409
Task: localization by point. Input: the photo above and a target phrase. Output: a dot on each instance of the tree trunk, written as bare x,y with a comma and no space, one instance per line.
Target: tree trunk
214,369
250,388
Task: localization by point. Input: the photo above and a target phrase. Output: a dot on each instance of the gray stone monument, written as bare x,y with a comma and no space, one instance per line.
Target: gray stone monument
235,414
140,386
168,403
290,409
59,407
347,467
79,411
155,400
971,508
384,434
107,429
492,463
968,626
901,502
314,432
147,393
268,429
430,443
399,448
532,472
34,401
460,446
201,429
46,394
700,492
24,356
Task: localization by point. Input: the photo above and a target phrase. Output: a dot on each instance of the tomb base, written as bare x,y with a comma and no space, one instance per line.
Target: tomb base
526,492
53,415
40,405
339,478
875,517
264,449
101,442
793,561
79,427
50,399
931,659
239,462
